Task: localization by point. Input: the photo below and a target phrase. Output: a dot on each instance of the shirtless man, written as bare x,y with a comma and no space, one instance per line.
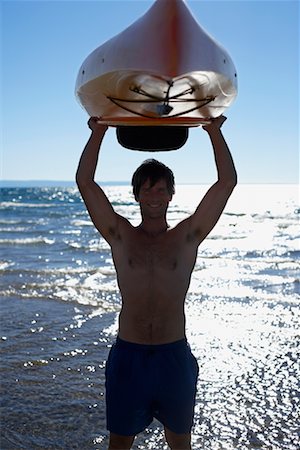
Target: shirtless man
151,371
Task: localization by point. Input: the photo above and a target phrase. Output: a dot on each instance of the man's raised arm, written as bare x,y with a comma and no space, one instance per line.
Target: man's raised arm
224,162
212,205
98,205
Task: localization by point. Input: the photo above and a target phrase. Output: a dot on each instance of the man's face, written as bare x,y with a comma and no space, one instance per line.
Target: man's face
154,200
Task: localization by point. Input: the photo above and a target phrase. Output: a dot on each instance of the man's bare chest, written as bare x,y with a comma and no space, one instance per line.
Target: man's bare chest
149,254
152,255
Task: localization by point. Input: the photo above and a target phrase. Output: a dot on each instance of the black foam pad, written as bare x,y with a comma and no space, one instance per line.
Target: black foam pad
152,138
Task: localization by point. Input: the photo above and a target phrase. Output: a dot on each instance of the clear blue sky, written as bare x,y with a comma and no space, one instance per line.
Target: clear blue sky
44,128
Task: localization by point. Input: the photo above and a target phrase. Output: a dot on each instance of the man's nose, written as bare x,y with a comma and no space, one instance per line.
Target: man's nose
154,195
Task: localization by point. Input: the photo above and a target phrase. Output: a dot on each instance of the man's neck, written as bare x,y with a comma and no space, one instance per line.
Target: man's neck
154,227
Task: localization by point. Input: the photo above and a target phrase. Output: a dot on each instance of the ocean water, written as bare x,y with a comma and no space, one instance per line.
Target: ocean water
60,303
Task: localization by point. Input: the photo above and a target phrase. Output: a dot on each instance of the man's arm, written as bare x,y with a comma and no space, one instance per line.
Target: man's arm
212,205
101,212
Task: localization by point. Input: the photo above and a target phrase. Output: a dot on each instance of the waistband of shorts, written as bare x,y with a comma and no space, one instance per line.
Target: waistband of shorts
157,347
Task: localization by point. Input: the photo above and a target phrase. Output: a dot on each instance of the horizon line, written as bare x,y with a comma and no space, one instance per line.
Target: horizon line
67,183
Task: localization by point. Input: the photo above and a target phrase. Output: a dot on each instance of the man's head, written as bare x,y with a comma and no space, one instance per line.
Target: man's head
152,170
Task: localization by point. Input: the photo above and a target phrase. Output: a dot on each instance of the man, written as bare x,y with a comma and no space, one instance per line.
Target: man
150,370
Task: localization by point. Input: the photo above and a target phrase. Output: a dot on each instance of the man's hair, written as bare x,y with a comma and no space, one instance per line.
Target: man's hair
152,170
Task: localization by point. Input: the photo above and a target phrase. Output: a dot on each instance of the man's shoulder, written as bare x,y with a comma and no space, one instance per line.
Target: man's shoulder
123,223
181,226
181,229
183,232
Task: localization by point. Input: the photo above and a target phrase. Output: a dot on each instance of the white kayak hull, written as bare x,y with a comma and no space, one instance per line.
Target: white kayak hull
164,69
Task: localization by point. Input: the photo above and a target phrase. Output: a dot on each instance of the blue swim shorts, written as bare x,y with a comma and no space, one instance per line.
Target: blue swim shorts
147,381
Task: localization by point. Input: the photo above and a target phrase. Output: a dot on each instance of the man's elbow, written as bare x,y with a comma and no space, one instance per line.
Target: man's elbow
78,178
234,180
81,180
229,183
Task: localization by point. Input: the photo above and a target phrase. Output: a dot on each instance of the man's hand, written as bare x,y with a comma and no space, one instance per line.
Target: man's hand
96,126
215,124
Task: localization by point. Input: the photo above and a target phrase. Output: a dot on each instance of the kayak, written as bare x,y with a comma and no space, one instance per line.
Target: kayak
163,70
